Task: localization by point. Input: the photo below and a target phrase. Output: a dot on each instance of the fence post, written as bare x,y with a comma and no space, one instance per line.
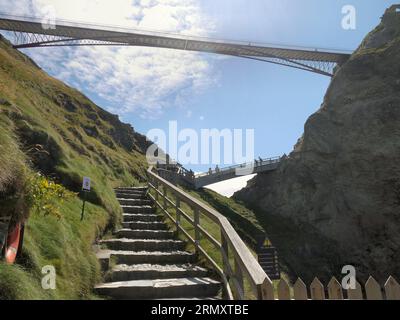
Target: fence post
283,290
317,290
356,293
266,290
373,289
392,289
335,291
300,290
178,214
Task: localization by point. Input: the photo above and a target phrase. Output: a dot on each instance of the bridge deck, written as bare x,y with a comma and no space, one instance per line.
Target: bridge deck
178,174
258,166
30,32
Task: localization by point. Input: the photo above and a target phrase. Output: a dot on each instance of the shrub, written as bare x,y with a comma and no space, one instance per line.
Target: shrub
45,196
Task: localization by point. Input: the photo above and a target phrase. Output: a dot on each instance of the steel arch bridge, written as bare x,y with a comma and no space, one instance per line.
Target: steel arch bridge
31,33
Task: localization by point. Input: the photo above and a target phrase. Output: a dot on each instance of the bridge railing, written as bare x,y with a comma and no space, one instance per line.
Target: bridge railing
157,33
232,272
256,163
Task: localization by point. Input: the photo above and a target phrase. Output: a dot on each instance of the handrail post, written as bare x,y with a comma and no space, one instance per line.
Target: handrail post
156,186
149,181
164,188
196,214
225,261
178,214
239,279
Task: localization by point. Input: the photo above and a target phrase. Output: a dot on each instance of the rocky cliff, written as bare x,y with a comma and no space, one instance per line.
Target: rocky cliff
335,200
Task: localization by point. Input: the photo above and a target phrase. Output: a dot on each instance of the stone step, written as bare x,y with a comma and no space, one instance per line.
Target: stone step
137,217
191,298
125,244
137,209
123,272
134,202
145,234
131,190
152,257
104,259
145,225
160,288
125,195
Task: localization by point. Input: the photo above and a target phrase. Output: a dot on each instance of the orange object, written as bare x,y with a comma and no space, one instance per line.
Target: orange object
13,243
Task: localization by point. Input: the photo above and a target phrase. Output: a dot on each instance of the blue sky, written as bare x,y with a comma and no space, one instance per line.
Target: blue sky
150,87
274,100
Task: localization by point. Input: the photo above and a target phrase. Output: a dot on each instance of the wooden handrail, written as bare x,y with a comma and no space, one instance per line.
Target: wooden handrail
245,263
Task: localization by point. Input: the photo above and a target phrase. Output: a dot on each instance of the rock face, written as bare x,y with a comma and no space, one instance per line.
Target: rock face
335,200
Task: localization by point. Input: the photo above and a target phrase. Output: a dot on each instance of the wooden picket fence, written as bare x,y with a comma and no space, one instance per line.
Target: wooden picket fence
334,291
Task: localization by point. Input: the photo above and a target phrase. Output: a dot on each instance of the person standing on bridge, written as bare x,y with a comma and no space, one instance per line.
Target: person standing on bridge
209,171
217,169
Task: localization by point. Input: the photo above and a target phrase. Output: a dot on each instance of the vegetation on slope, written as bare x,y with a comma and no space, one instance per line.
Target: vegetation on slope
48,127
242,219
12,171
64,243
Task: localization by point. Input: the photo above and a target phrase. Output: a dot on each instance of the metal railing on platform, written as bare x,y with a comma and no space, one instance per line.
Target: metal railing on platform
256,163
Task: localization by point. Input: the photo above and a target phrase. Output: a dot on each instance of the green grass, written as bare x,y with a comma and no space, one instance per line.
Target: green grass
242,219
11,158
17,283
63,243
12,172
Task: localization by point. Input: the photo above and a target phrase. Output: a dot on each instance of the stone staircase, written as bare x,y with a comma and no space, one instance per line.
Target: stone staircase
150,262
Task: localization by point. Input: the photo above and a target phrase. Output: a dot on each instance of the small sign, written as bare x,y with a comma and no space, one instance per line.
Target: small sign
86,184
268,259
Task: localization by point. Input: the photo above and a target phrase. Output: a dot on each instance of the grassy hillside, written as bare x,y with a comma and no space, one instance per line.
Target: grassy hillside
48,127
242,219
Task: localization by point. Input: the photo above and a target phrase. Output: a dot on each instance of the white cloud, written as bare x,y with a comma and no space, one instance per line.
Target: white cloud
229,187
189,113
143,80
